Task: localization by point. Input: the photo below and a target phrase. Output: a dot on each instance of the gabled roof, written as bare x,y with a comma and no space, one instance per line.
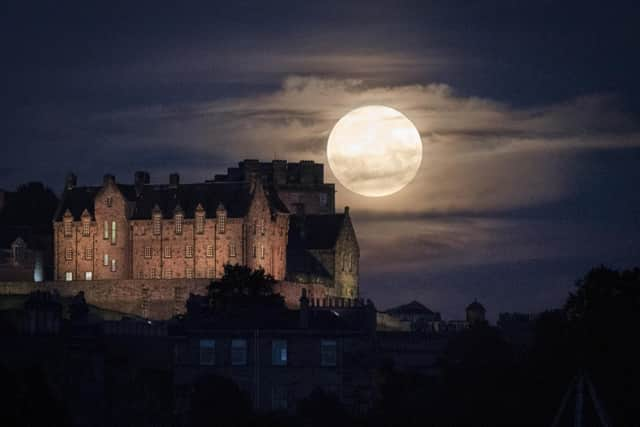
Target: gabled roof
414,307
315,231
234,196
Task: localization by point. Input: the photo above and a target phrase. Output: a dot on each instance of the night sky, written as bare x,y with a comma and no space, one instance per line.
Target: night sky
528,111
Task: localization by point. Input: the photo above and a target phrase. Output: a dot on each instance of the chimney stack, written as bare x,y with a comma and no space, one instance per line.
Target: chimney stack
71,181
108,178
174,180
140,179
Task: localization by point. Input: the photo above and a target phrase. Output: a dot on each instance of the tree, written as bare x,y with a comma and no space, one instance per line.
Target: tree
603,324
217,401
241,285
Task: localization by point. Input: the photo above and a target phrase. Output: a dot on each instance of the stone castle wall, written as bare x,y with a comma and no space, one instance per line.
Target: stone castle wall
157,299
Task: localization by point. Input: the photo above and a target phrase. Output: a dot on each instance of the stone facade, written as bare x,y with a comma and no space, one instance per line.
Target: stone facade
115,244
179,231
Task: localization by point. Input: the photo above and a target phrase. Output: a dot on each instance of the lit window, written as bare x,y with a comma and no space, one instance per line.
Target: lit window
179,224
106,260
188,251
167,252
68,276
238,352
147,251
105,235
328,353
200,223
113,232
88,253
222,219
113,265
68,254
189,273
232,249
207,352
279,352
88,275
85,228
210,251
156,224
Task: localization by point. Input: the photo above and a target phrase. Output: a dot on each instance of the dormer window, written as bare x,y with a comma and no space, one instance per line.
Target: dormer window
85,228
222,220
178,224
68,228
109,201
199,219
156,224
200,223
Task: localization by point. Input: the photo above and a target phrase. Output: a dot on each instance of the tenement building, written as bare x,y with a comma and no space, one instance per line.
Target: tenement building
277,216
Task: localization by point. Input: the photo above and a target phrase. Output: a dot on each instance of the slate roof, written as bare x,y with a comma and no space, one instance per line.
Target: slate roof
414,307
235,197
315,231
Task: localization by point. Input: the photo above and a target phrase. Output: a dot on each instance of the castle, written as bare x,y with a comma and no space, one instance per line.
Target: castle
276,215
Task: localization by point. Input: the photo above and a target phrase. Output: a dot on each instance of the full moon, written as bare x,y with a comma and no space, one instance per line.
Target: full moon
374,151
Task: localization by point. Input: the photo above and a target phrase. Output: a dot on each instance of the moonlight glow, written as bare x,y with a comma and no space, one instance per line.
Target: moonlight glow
374,151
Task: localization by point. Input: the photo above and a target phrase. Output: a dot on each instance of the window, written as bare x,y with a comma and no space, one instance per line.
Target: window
156,224
328,353
153,273
207,352
68,276
210,251
211,272
106,260
222,219
179,224
113,232
262,251
279,397
147,251
68,227
167,274
232,249
344,262
238,352
109,201
253,251
350,263
281,250
88,275
105,235
68,254
189,273
188,250
85,228
200,224
279,352
255,228
88,253
323,199
113,265
167,252
262,226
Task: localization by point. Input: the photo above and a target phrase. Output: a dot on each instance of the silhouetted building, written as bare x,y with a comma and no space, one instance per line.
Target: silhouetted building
475,314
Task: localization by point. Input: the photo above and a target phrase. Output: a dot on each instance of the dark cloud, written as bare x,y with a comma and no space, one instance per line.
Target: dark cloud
528,113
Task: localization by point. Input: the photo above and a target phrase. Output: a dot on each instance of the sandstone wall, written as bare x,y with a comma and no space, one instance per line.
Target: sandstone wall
153,299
